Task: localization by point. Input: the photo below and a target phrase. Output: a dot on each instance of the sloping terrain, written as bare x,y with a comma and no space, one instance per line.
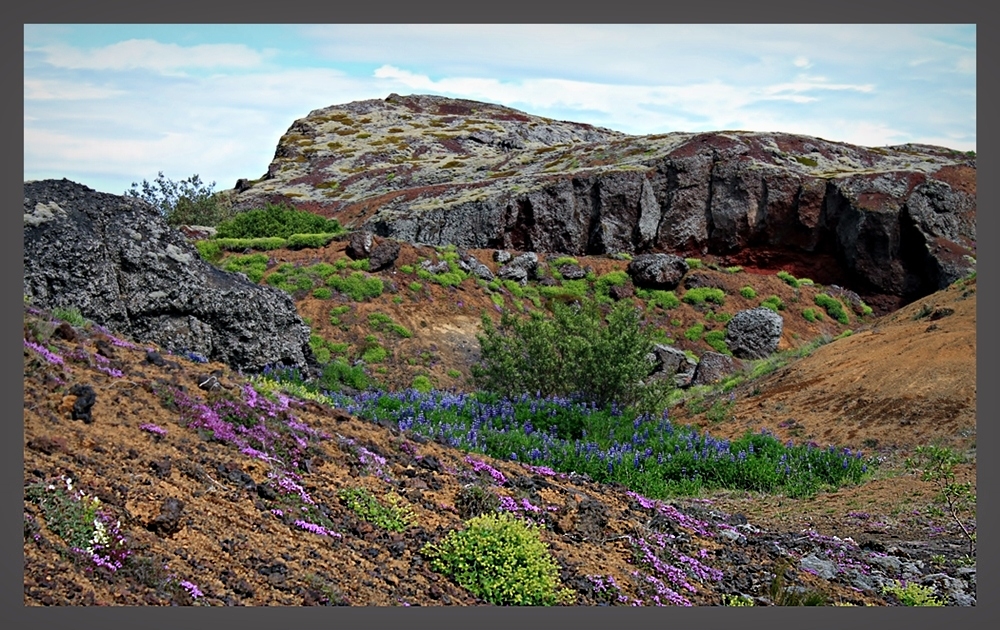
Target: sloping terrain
202,522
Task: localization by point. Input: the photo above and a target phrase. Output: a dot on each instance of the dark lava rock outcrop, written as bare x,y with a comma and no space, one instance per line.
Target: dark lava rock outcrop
123,267
896,221
754,333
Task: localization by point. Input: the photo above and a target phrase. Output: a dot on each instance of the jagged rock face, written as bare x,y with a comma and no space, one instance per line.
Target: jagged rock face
896,221
116,260
754,333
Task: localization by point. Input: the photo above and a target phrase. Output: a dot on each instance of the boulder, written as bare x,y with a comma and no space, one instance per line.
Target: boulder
657,271
669,362
360,245
383,255
754,333
570,271
713,367
117,261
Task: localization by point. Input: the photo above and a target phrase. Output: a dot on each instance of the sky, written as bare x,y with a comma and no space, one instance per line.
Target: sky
110,105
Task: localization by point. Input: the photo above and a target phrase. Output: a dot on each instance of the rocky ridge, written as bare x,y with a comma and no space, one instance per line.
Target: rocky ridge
897,222
122,266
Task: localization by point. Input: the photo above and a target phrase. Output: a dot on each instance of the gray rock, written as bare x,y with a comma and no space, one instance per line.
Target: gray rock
669,362
123,267
501,256
754,333
440,266
657,271
383,255
359,245
521,268
572,272
470,264
712,367
826,569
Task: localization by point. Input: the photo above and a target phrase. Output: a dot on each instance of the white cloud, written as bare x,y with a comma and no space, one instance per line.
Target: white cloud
802,62
49,90
152,55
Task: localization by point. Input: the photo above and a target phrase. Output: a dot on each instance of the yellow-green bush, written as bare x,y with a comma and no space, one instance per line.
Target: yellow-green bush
501,559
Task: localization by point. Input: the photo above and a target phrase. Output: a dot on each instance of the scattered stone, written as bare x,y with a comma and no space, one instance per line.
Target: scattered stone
621,292
85,399
826,569
754,333
359,245
384,255
570,271
168,522
657,271
501,256
712,368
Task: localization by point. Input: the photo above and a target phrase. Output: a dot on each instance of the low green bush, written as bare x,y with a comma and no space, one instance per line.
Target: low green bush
700,295
338,373
774,303
788,279
304,241
359,286
695,332
253,265
391,516
501,559
276,220
812,315
913,594
834,307
748,292
717,339
422,383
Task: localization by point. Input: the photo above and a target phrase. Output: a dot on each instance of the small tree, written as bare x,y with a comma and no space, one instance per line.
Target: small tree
187,202
577,352
936,464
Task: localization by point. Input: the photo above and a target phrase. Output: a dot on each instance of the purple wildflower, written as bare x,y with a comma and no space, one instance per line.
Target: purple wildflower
154,429
192,589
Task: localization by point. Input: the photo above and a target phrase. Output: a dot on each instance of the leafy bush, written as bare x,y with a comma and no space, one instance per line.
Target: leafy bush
812,315
241,244
693,263
322,293
187,202
913,594
694,332
788,279
748,292
501,559
393,517
774,303
374,354
358,285
422,383
253,265
573,353
276,220
71,315
303,241
338,373
700,295
381,322
210,250
475,499
659,298
717,339
834,307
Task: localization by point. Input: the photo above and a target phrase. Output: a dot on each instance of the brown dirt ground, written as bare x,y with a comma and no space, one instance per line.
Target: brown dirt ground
905,379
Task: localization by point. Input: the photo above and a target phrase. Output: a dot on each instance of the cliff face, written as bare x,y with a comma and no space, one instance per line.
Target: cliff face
896,221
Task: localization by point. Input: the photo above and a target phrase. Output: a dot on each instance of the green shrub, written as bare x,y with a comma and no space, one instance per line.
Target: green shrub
422,383
375,354
812,315
392,516
788,279
209,250
717,339
748,292
276,220
406,268
338,373
243,244
71,315
358,285
693,263
303,241
501,559
774,303
454,373
475,499
382,322
734,269
695,332
336,312
701,295
322,293
834,307
575,352
564,260
659,298
913,594
253,265
611,279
